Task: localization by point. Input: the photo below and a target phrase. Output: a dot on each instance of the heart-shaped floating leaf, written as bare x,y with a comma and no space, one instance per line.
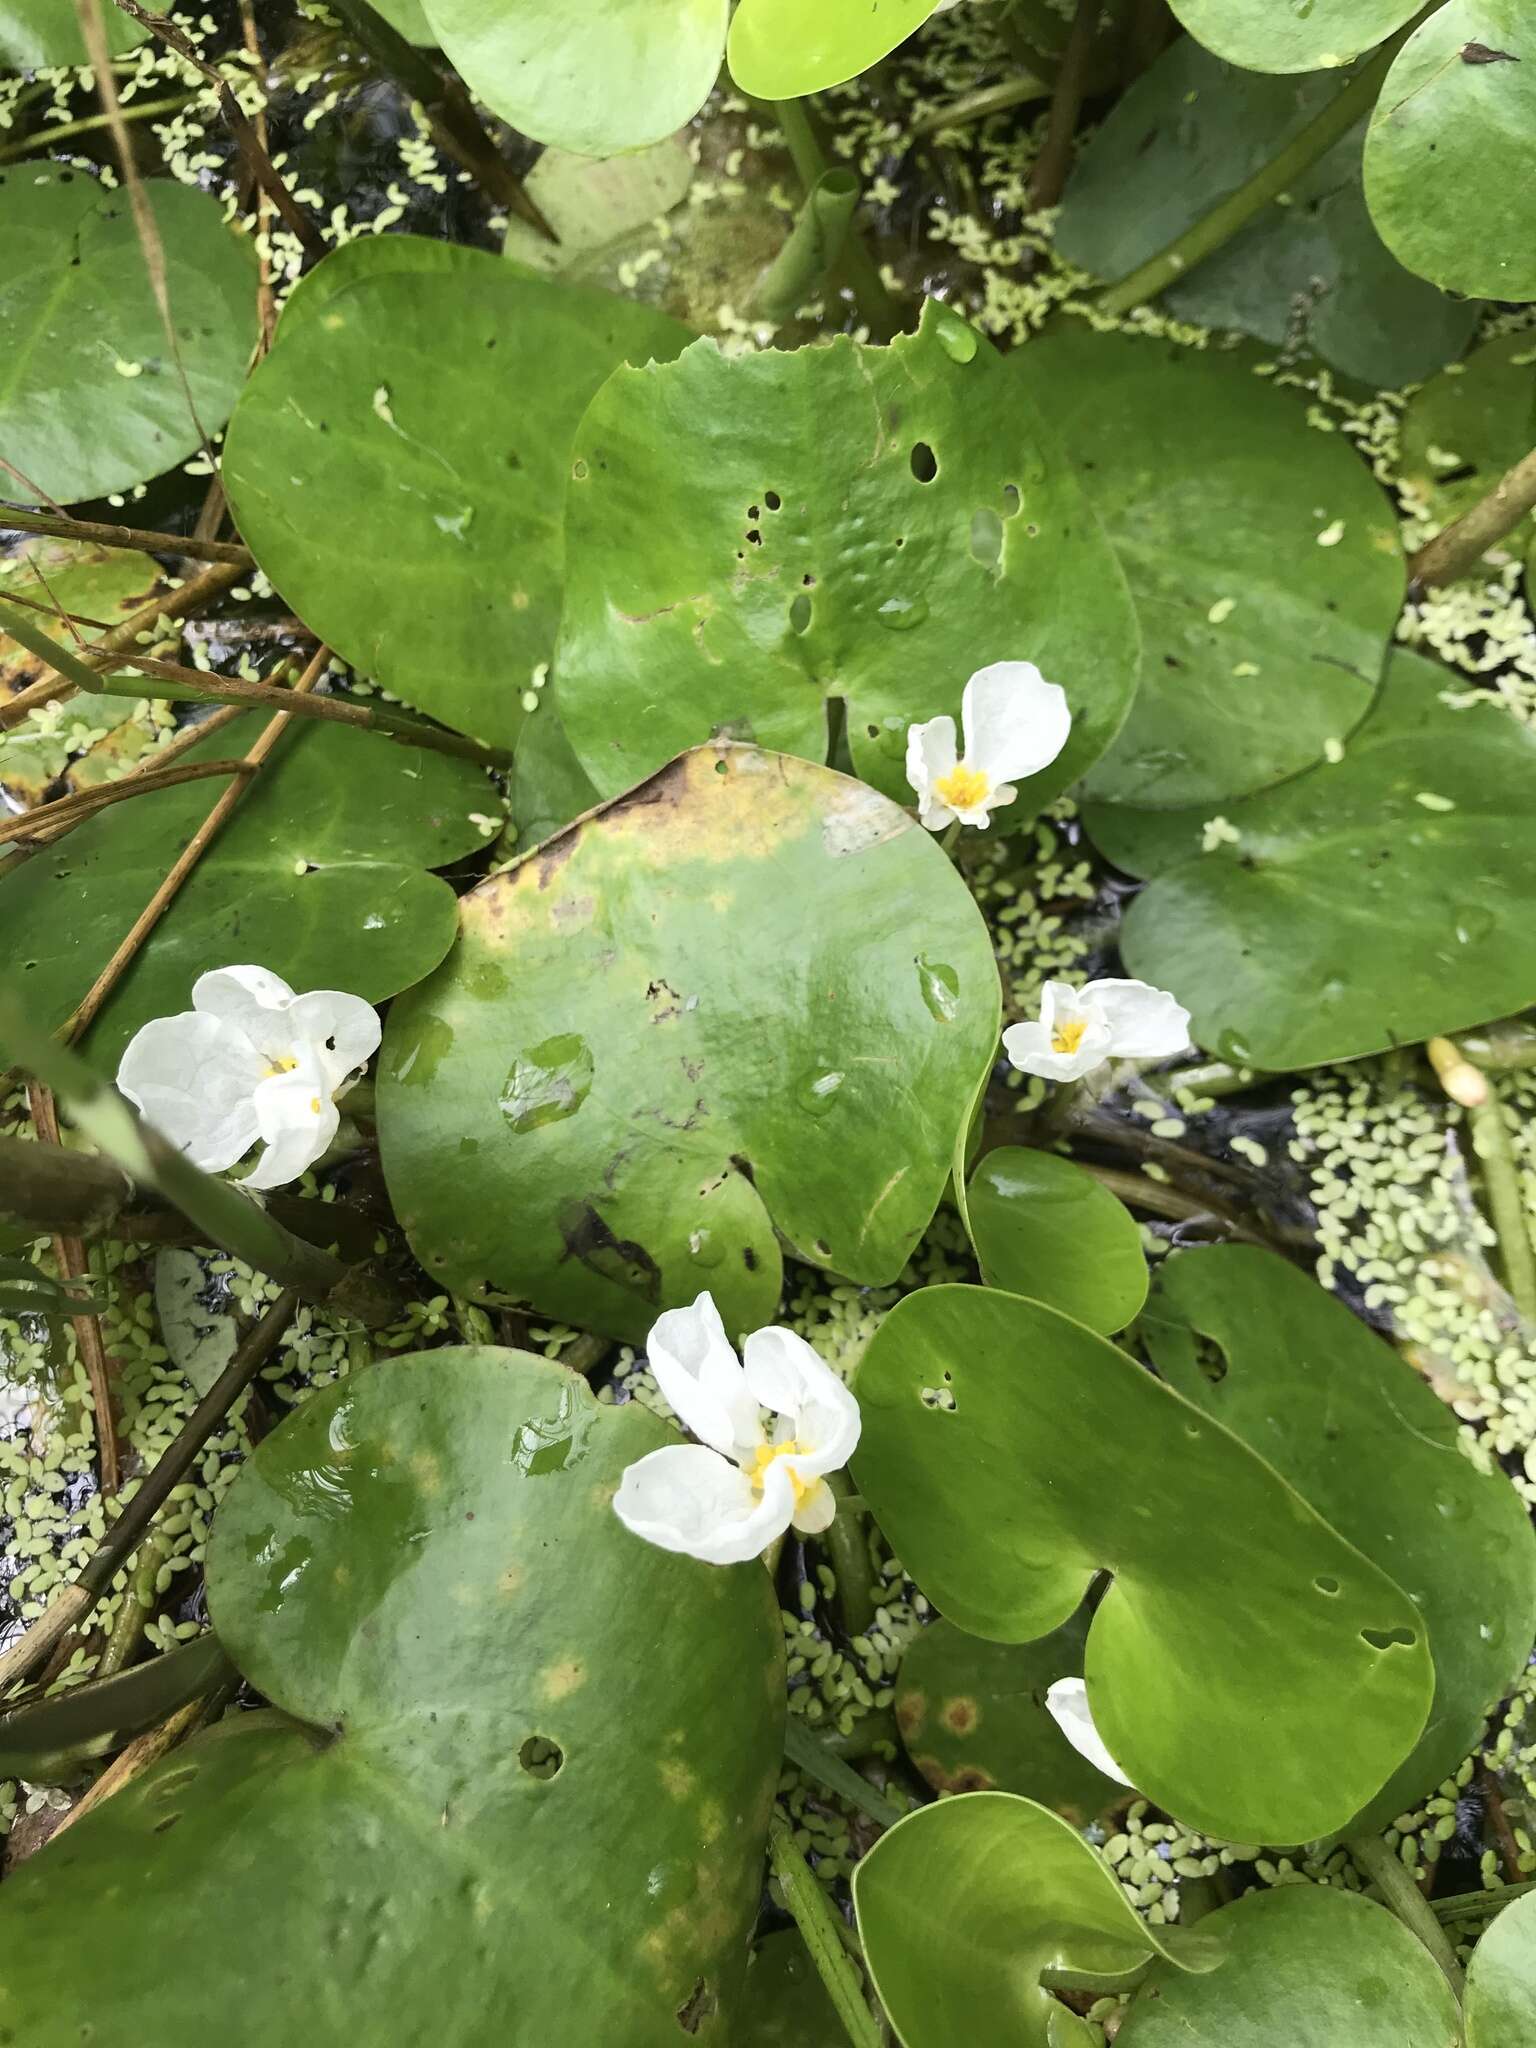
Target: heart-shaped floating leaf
1186,135
318,875
750,537
1366,904
1451,153
645,1051
973,1717
39,35
967,1908
1470,424
398,468
1501,1981
1287,1368
1248,1669
1045,1228
1319,35
782,49
527,1802
92,400
594,76
1306,1966
1262,556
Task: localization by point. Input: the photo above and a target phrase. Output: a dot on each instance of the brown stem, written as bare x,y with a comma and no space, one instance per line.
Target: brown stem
190,736
135,1760
21,520
1457,551
266,302
1157,1198
1048,179
71,810
52,1189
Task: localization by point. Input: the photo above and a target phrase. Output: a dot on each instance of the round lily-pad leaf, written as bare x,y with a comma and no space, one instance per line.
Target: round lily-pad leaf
1501,1981
44,35
1469,425
1369,903
91,400
594,76
1319,35
1186,135
375,256
423,1565
750,537
973,1717
1305,1966
1045,1228
398,467
549,785
644,1050
318,875
783,49
965,1908
1451,153
1258,1345
1262,556
1010,1454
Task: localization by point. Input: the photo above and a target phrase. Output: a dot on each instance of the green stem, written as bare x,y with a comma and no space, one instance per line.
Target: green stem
856,266
1217,228
58,657
1507,1048
136,110
1492,1143
977,106
822,1933
1473,1905
846,1543
138,1598
811,251
804,1748
1392,1878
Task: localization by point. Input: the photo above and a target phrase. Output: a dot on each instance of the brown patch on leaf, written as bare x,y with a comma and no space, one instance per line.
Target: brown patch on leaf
960,1716
911,1707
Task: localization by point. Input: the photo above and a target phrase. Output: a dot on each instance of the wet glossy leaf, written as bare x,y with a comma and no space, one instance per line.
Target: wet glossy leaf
1045,1228
318,875
782,49
1009,1454
965,1905
409,17
1185,136
786,2004
1265,1350
91,400
38,35
1292,35
643,1050
549,785
421,1565
973,1717
398,467
1366,904
749,537
1306,1966
1469,425
595,76
48,1741
1451,153
1262,555
1501,1981
199,1337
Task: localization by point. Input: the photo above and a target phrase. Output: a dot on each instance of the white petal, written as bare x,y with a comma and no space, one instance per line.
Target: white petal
785,1374
696,1367
1067,1703
194,1080
298,1119
249,1000
343,1029
1029,1048
816,1510
1143,1022
690,1499
1016,723
931,755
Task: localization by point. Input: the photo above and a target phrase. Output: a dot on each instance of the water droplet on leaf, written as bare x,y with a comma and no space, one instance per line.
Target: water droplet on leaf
548,1082
940,986
816,1089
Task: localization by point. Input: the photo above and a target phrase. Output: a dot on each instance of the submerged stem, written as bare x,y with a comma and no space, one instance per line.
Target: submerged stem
806,1749
1387,1871
820,1929
856,266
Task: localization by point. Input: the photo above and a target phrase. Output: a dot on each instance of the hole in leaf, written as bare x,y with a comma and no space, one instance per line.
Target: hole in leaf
1211,1359
753,514
772,500
702,2005
754,536
800,613
170,1820
540,1757
940,1398
1013,499
1326,1585
925,464
986,538
579,471
1385,1638
721,768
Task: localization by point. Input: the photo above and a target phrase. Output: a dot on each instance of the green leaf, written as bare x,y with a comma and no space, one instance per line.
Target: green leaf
594,76
973,1717
783,49
1469,425
592,202
25,1289
317,876
644,1050
1045,1228
786,2004
409,18
200,1339
1451,153
750,537
1349,916
1265,1350
963,1908
1262,556
1185,136
549,785
1262,35
90,397
1272,1717
44,35
370,256
47,1741
424,1566
99,587
1501,1981
398,468
1306,1966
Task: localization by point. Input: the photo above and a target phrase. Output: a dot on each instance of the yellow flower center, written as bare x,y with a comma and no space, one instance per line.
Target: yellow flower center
282,1066
314,1105
768,1454
962,788
1068,1037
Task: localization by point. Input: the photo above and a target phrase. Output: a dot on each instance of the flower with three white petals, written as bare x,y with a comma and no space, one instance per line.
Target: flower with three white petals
1067,1703
1015,724
1080,1028
250,1061
727,1497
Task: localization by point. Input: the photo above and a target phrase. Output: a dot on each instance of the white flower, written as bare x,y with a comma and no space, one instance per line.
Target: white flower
250,1060
1015,722
728,1502
1067,1703
1080,1028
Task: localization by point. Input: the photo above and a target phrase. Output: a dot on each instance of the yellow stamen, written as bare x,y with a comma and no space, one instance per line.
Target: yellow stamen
283,1066
766,1455
962,789
314,1105
1068,1037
